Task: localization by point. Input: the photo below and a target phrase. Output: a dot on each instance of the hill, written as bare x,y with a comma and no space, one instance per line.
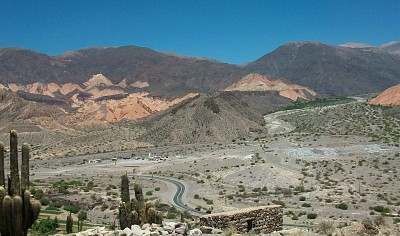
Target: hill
331,69
389,97
209,118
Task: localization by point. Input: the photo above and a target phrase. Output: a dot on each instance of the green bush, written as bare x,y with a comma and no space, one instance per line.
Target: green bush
342,206
104,207
72,208
312,216
381,209
306,205
55,204
278,202
302,198
171,215
46,226
38,194
44,201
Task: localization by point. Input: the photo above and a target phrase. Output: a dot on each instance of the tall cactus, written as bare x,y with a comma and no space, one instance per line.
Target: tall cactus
69,224
135,210
17,211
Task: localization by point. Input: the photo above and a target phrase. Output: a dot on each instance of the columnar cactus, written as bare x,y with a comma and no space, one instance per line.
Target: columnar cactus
135,210
17,211
69,224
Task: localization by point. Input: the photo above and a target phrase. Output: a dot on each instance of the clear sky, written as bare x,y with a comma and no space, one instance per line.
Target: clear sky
232,31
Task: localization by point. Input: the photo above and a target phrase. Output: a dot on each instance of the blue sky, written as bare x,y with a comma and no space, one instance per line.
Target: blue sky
232,31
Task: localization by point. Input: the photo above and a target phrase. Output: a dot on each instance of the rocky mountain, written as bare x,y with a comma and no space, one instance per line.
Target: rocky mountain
215,117
140,69
339,70
331,69
392,47
389,97
256,82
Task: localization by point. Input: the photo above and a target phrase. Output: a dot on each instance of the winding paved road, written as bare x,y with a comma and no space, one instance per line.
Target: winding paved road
177,199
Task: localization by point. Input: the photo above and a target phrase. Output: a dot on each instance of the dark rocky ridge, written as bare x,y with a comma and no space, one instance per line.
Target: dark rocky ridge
331,69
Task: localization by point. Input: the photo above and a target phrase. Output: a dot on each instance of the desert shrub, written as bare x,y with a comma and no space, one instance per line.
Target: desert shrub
44,201
342,206
149,193
231,230
381,209
312,216
171,215
302,198
46,226
82,215
326,227
104,207
278,202
306,205
55,204
38,194
72,208
380,221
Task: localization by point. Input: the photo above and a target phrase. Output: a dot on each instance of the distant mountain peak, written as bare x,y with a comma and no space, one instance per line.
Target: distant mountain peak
257,82
356,45
98,80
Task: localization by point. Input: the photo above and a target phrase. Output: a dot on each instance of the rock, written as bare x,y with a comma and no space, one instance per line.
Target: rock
135,230
195,232
169,226
181,230
163,232
146,226
206,229
217,231
146,232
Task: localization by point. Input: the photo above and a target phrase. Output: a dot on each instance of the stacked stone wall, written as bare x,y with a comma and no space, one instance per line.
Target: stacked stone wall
264,219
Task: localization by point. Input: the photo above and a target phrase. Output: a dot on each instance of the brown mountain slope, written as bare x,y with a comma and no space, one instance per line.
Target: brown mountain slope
331,69
389,97
209,118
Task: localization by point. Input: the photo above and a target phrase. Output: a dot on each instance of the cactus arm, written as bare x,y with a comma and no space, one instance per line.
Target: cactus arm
8,212
125,195
17,215
2,176
26,202
15,184
25,168
151,215
3,226
138,192
33,213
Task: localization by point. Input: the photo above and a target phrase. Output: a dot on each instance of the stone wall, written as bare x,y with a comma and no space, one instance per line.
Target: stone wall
263,219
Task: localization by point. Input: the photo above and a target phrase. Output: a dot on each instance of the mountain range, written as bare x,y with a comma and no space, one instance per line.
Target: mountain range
167,98
327,69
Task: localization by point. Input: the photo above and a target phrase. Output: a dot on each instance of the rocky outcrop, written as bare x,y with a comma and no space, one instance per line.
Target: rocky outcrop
169,228
264,219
